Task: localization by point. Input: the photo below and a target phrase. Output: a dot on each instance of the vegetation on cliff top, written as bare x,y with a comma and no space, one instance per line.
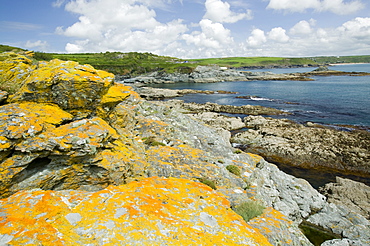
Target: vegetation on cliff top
134,63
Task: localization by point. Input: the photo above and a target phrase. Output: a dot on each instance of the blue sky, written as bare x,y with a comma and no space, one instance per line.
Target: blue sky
189,29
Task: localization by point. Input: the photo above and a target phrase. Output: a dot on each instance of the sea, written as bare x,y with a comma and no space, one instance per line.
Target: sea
329,100
337,101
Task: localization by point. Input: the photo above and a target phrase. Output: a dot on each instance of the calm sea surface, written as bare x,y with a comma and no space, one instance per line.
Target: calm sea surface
328,100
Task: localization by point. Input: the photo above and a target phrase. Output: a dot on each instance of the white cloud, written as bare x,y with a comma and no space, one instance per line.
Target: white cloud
219,11
212,35
257,38
278,34
358,28
37,45
335,6
301,28
119,25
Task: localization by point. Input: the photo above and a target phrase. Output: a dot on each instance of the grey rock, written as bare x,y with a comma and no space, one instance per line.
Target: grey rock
309,147
354,195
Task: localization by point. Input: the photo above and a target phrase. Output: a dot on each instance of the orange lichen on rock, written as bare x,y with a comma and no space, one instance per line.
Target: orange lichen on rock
68,84
278,228
155,211
117,93
14,69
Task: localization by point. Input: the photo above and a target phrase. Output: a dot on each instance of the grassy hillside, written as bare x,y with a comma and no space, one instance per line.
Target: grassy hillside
5,48
256,61
134,63
341,59
128,63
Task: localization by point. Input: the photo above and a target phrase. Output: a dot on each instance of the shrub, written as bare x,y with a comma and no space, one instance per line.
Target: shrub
208,182
249,210
234,170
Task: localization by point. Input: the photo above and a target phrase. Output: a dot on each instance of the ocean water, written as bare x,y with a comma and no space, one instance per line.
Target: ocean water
340,100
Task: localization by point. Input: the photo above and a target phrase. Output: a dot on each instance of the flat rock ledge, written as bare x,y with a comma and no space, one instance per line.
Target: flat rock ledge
307,146
219,108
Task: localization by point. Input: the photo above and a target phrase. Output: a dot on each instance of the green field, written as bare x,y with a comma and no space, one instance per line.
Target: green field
238,62
134,63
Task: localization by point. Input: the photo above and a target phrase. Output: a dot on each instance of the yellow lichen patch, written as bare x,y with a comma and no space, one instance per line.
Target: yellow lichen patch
117,93
68,84
14,69
185,162
25,120
154,211
75,139
123,161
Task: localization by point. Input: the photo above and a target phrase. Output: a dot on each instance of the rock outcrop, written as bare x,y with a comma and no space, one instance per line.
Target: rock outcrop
220,108
151,93
109,167
351,194
311,146
155,211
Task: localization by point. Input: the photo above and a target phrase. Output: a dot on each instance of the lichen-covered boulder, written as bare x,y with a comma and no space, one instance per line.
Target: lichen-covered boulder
155,211
14,69
74,87
40,148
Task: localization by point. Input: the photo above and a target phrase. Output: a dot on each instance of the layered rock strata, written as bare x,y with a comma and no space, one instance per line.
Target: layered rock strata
116,169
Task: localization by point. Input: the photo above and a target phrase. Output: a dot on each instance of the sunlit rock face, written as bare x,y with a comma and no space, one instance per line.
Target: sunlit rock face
155,211
84,160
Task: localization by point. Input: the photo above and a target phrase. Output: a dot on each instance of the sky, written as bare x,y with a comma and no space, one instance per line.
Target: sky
189,28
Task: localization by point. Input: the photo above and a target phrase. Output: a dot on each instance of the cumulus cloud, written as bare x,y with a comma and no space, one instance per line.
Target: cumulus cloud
336,6
212,35
219,11
119,25
302,28
278,34
257,38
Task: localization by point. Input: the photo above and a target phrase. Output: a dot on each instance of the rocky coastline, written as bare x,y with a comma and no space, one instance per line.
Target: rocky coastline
87,161
213,74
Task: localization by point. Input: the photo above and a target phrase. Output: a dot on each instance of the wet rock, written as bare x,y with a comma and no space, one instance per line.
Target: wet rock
311,147
351,194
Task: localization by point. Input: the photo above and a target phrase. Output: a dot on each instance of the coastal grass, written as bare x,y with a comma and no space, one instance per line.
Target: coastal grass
249,210
233,169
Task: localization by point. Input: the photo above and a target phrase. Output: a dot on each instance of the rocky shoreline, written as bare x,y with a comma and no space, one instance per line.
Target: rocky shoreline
213,74
87,161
